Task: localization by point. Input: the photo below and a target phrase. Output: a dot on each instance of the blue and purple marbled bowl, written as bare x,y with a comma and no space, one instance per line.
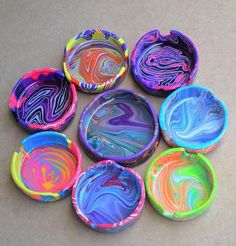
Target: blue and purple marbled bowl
193,118
119,125
108,197
43,100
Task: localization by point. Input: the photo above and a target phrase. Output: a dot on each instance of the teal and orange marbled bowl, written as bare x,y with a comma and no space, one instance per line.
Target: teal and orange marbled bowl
180,185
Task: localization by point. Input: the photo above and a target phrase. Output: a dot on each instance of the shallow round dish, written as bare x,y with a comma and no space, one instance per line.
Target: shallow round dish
193,118
108,197
163,63
43,100
46,166
95,60
119,125
180,185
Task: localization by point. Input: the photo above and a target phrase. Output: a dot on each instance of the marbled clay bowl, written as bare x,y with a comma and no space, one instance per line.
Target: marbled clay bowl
95,60
46,166
193,118
43,100
108,197
180,185
119,125
163,63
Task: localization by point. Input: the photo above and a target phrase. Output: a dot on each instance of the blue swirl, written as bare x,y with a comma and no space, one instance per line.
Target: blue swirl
107,193
87,34
192,116
90,87
106,34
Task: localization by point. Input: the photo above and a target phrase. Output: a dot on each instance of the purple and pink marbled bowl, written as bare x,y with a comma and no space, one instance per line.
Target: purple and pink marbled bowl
162,63
43,100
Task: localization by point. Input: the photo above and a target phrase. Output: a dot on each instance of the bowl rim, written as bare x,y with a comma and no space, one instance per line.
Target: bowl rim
131,158
177,141
57,125
144,83
99,87
38,195
133,216
182,215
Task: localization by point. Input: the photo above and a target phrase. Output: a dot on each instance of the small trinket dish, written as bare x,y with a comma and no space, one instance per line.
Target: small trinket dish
108,197
46,166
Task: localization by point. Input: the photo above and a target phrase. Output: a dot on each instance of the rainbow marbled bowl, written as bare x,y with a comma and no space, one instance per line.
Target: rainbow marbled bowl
119,125
95,60
46,166
43,100
193,118
180,185
108,197
163,63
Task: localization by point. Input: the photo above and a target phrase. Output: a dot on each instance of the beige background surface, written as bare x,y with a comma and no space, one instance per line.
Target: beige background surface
33,34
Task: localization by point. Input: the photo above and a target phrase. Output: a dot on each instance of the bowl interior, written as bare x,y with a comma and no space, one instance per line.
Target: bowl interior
107,193
47,163
41,97
193,116
95,61
118,124
164,61
180,182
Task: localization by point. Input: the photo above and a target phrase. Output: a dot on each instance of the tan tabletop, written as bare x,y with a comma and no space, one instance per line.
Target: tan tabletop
33,34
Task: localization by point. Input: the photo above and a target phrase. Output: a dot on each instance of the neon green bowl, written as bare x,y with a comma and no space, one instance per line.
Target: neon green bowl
180,185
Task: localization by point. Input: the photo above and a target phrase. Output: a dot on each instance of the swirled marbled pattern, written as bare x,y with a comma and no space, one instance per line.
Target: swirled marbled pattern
118,124
164,62
164,65
43,99
108,195
179,183
192,117
46,166
95,60
48,169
